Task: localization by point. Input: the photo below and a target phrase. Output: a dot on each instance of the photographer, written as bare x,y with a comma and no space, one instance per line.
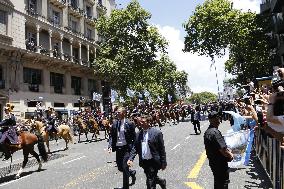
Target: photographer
275,111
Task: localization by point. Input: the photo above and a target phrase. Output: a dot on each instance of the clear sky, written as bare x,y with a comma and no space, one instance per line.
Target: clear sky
168,16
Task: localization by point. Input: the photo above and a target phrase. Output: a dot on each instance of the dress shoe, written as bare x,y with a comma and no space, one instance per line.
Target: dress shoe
163,183
133,176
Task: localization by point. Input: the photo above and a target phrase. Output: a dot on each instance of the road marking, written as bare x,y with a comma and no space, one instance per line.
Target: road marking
15,180
193,185
196,169
74,160
187,138
175,146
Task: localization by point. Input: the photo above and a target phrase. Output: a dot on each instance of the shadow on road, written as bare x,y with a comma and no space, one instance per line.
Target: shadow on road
257,173
12,177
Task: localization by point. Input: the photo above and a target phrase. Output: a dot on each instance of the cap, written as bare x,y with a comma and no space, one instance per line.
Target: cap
213,114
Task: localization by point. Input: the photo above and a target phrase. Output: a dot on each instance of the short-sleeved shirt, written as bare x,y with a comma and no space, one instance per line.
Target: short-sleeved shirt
214,141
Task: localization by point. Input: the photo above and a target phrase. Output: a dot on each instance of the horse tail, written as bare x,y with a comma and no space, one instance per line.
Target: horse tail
41,148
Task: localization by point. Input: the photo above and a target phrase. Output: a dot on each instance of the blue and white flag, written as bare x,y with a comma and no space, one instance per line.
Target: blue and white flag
130,93
170,98
114,95
238,120
140,95
159,99
121,99
96,96
146,93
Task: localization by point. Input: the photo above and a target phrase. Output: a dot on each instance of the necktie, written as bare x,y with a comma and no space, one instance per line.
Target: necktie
119,124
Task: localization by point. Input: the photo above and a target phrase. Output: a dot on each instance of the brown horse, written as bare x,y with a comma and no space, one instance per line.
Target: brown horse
107,127
27,141
63,132
84,128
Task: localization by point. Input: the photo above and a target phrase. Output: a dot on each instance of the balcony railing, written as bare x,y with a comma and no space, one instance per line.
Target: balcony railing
34,87
91,20
101,8
76,11
31,46
54,22
58,89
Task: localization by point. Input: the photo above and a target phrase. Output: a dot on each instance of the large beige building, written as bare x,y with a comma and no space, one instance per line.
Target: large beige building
46,47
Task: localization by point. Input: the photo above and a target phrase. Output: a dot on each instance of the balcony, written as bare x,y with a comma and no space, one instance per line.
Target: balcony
54,22
76,11
92,2
265,7
75,32
101,8
58,89
59,3
91,20
276,6
2,84
31,46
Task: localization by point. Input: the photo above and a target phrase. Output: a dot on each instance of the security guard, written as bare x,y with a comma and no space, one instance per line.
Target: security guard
217,152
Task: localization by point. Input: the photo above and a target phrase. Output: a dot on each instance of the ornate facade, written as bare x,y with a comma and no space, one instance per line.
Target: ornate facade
46,51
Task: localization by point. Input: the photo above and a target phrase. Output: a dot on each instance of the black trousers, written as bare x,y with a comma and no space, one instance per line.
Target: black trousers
196,125
122,156
151,172
221,177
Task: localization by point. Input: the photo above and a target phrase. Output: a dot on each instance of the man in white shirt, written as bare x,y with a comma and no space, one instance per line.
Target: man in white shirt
121,141
149,145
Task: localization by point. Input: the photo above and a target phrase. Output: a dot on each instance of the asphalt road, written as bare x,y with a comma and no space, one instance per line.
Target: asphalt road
90,166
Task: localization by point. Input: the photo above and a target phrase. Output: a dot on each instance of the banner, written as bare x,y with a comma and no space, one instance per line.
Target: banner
170,98
96,96
114,95
121,99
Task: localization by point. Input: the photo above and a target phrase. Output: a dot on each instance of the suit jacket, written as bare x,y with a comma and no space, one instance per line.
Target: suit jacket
156,145
129,133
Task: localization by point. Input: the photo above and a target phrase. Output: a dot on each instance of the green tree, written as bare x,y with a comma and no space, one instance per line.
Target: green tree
203,97
216,27
129,48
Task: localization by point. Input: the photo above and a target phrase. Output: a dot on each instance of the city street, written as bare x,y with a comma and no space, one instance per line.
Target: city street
88,165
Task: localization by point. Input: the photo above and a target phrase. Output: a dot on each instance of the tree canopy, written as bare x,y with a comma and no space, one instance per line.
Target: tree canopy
216,27
203,97
133,54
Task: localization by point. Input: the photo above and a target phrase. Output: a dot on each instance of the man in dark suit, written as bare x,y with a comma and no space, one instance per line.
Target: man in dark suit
121,141
149,145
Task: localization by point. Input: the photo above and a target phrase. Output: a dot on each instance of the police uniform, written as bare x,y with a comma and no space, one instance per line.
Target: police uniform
214,141
7,130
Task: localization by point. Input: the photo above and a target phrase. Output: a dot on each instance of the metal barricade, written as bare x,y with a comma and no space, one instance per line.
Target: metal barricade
271,157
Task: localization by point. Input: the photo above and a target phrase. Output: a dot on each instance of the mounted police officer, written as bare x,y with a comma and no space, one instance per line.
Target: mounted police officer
7,130
38,114
51,118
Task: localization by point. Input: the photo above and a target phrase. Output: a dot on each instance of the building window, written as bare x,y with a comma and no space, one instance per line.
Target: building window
56,80
74,26
74,4
92,85
3,22
89,11
89,33
100,2
59,104
32,103
32,76
76,85
56,18
32,6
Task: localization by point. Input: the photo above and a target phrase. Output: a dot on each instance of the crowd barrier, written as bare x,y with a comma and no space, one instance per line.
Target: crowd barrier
271,157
